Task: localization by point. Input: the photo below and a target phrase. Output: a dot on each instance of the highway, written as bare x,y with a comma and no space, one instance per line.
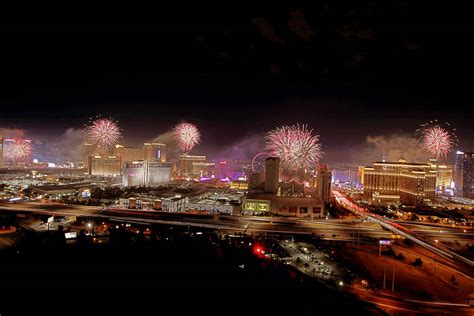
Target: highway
464,264
326,229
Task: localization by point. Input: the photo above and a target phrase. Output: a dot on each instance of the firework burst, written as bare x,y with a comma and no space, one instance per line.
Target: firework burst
296,147
104,132
18,150
438,139
187,135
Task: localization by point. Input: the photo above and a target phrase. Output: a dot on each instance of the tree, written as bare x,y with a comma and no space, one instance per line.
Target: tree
453,279
418,262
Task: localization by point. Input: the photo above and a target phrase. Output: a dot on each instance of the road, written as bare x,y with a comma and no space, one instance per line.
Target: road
464,264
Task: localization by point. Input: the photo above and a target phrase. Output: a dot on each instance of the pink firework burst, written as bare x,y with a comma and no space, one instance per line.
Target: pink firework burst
103,132
187,135
18,150
436,139
296,147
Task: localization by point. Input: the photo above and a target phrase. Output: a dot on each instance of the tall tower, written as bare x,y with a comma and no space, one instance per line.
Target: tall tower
458,166
468,175
1,151
154,152
324,183
272,174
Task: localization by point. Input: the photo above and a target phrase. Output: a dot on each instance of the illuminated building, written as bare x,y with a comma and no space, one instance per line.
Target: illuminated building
134,173
141,204
149,173
468,175
128,153
104,165
444,176
458,167
239,185
284,206
324,183
224,170
89,150
154,152
412,183
217,203
188,163
17,151
158,173
272,174
1,152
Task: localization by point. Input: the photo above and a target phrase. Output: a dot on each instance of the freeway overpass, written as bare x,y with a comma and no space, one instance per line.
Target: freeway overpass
464,264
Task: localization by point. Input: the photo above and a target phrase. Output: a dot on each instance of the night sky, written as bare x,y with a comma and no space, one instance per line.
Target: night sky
373,69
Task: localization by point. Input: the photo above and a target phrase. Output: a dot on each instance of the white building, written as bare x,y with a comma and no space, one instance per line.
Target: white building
175,204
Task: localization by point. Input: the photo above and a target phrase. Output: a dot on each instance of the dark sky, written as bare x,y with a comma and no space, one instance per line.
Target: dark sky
348,70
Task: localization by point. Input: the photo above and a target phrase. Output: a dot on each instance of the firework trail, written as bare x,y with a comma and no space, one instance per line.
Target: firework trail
296,147
438,139
187,136
104,132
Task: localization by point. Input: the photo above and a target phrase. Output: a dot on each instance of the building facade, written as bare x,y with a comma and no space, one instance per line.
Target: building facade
324,177
154,152
284,206
104,166
146,173
412,183
458,167
128,153
187,165
272,174
468,175
175,204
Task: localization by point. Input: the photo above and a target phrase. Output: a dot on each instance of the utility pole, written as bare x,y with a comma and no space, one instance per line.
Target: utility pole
393,279
358,239
384,270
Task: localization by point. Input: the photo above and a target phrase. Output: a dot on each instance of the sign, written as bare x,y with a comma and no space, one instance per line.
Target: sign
70,235
50,219
385,242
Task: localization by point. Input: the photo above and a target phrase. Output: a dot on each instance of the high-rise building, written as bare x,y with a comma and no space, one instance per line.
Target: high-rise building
154,152
410,183
1,151
128,154
224,169
458,167
468,175
150,173
104,165
272,174
187,168
324,177
38,150
444,176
